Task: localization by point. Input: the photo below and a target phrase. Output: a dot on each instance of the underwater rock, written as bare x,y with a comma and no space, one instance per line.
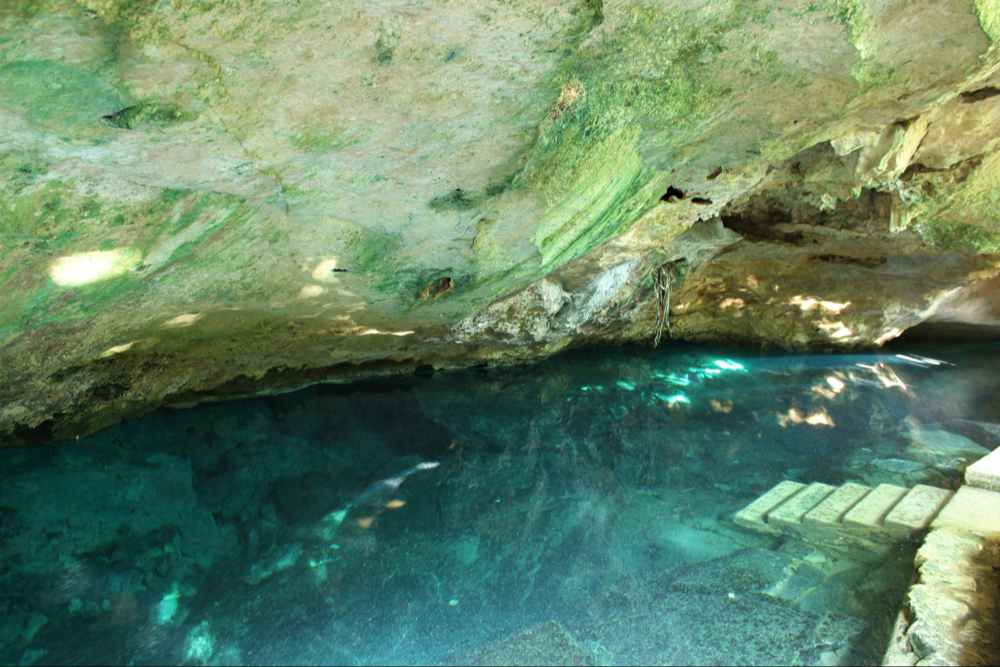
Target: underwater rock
943,450
897,465
165,611
303,499
32,624
804,578
982,433
199,645
101,524
548,643
20,628
676,542
32,656
742,572
277,558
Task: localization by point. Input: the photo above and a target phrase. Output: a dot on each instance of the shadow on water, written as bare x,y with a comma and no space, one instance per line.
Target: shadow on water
576,511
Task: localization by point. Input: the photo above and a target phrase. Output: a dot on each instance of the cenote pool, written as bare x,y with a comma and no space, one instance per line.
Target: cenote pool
576,511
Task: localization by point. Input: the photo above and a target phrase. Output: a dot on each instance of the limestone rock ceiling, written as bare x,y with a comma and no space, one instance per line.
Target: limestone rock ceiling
216,198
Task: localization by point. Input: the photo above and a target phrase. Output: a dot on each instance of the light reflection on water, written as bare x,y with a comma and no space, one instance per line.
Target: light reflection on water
577,511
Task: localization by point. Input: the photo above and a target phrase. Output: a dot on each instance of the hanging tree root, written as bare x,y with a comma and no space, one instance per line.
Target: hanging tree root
661,286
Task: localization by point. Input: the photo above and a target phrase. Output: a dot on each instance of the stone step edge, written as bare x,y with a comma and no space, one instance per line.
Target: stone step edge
895,510
985,473
754,515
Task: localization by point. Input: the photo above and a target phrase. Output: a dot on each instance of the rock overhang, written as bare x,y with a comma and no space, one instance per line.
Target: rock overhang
232,197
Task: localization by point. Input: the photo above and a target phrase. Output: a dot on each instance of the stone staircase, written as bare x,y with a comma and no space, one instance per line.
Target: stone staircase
950,615
851,520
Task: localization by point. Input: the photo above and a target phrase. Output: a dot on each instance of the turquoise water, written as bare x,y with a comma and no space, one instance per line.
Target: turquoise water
576,511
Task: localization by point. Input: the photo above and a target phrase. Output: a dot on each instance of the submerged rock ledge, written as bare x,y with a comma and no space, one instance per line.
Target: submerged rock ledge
215,199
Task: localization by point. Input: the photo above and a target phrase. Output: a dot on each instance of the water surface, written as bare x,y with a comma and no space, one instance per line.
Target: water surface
576,511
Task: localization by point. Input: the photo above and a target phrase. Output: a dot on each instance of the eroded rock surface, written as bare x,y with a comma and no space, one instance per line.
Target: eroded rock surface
211,199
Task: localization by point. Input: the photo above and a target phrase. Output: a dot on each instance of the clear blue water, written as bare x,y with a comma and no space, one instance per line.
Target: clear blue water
576,511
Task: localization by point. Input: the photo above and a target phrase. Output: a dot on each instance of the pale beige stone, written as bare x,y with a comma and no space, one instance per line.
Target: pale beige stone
983,632
917,508
753,515
944,545
985,473
959,130
935,614
951,613
971,510
948,657
836,505
948,574
796,507
899,653
871,511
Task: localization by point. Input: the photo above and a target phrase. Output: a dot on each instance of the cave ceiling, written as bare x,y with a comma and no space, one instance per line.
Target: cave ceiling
208,199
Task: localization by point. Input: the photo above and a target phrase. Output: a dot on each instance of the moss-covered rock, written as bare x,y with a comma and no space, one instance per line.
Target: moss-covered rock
475,180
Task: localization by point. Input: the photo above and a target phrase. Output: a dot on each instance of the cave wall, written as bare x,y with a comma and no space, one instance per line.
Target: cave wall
207,199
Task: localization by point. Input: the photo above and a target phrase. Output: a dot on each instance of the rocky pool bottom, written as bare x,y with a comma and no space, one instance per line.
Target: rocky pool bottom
575,511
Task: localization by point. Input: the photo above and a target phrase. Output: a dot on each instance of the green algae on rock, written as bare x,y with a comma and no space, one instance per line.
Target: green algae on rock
323,166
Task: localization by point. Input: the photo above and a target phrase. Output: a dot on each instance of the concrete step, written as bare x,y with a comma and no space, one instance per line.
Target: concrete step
755,514
985,473
852,520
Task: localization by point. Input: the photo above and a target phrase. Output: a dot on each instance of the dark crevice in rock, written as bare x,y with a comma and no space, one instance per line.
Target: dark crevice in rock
456,200
771,215
672,194
436,288
109,392
979,95
758,225
124,118
104,404
865,262
42,433
795,201
915,169
131,117
385,46
957,172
